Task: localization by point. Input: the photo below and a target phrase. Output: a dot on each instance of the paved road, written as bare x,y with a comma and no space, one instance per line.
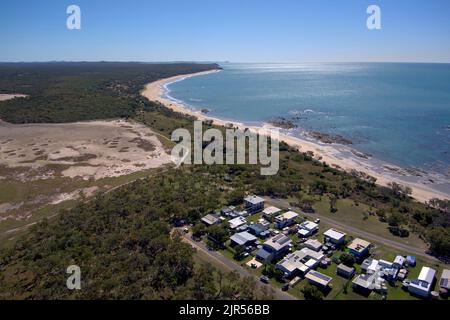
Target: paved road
360,233
232,266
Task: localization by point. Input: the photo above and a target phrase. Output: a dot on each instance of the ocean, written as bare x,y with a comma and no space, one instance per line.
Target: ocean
395,112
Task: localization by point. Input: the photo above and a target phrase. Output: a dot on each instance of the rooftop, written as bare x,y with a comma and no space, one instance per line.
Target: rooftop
309,225
287,216
334,234
359,245
271,211
237,222
315,244
210,219
242,238
278,242
445,279
301,260
345,268
427,274
319,278
254,199
364,281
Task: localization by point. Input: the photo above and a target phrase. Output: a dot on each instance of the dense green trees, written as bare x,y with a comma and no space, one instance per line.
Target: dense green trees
123,244
68,92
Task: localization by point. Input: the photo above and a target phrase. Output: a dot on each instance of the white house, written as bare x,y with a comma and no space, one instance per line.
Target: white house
237,222
253,204
423,284
274,248
286,219
271,212
307,228
334,236
300,262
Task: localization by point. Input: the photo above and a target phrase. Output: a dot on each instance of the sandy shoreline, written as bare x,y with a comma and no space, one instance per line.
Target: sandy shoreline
331,154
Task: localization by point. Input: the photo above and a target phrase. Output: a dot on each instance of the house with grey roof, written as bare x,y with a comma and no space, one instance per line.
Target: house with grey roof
253,204
242,239
274,248
300,262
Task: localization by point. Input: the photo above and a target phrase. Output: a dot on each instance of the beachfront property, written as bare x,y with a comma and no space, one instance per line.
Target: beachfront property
423,284
307,229
253,204
259,230
237,223
334,237
318,279
286,219
345,271
242,239
300,262
359,248
444,282
313,244
274,248
271,212
211,219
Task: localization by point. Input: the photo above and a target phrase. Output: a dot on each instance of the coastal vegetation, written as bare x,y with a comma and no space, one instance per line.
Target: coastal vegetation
69,92
122,240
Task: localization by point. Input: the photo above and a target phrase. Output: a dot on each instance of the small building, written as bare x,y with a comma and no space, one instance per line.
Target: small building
300,262
315,245
243,239
253,204
422,286
286,219
307,229
359,248
363,283
259,230
211,219
399,262
237,222
344,271
444,282
334,236
274,248
318,279
411,261
370,266
270,212
228,211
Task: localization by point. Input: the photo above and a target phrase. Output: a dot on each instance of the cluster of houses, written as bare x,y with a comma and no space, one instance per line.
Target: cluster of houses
274,245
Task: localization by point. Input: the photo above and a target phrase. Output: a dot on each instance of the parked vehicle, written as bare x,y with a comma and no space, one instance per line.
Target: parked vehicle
264,279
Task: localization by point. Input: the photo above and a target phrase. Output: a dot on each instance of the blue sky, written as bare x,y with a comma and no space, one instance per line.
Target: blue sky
220,30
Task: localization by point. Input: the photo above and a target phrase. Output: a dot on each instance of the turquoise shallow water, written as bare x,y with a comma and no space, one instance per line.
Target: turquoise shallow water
396,112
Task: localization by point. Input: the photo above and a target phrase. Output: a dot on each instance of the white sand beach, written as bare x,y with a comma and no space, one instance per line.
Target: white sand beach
329,153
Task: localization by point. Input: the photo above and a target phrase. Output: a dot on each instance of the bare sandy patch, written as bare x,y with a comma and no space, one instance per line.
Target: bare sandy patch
96,149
